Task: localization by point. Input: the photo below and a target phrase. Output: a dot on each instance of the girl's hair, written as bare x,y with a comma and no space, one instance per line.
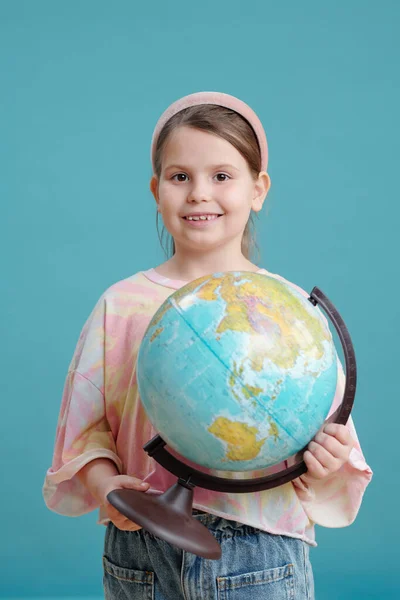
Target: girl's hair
228,125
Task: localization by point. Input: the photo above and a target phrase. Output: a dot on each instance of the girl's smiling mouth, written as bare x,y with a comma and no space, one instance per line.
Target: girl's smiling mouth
202,216
201,219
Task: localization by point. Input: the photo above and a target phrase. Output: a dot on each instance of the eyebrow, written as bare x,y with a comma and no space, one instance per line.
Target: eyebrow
211,167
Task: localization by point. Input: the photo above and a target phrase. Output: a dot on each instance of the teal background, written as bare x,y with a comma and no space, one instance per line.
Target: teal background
82,86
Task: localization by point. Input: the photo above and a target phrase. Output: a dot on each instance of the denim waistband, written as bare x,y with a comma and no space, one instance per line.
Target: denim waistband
221,525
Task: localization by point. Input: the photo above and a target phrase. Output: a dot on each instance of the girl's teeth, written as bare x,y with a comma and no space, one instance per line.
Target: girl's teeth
202,218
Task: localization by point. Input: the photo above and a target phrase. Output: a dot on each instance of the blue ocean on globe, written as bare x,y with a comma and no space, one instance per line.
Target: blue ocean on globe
237,371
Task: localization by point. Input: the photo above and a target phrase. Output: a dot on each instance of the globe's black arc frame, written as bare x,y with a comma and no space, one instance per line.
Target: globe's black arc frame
169,515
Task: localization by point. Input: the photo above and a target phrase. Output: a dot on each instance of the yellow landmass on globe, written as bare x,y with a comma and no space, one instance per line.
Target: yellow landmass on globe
274,305
273,429
240,437
248,391
263,306
236,318
156,333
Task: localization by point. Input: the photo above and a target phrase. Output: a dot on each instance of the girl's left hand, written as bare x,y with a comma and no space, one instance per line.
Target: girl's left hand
328,451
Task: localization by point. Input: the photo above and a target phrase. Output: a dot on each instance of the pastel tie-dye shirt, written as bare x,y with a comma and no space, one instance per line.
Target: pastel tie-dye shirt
101,416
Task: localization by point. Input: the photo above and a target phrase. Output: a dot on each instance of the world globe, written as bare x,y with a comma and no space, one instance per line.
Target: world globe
237,371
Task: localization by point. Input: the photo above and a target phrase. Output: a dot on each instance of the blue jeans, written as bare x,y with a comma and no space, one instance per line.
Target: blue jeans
254,565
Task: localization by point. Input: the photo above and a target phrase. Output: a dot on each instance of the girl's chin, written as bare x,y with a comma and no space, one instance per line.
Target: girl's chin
206,244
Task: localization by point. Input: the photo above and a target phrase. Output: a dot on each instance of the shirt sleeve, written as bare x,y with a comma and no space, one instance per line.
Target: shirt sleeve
83,433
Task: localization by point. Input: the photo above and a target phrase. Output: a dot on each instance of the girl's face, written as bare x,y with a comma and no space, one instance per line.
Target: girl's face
205,176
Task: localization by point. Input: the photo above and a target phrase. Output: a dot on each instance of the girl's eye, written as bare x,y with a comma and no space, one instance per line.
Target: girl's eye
179,175
183,175
223,175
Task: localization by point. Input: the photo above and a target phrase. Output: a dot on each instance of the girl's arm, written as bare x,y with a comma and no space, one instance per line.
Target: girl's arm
83,434
95,474
100,477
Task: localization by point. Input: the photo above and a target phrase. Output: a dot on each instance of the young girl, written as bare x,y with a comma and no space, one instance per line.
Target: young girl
209,156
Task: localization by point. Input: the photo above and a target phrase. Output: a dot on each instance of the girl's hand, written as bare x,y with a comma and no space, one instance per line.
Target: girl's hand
118,482
329,450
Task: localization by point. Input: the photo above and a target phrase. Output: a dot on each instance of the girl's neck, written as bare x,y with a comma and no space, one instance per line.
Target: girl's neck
187,268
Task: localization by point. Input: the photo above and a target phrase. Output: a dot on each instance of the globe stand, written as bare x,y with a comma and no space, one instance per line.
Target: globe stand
169,515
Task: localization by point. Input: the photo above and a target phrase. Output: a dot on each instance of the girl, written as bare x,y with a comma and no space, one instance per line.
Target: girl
209,156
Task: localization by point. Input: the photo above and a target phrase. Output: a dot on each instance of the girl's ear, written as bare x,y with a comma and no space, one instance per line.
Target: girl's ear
154,189
261,188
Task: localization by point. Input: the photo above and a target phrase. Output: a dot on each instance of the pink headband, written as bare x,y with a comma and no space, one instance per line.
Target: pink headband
222,100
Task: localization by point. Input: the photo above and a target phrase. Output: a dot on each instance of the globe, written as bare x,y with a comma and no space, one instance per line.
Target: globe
237,371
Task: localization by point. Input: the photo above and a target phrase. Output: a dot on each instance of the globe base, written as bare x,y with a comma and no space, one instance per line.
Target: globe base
168,516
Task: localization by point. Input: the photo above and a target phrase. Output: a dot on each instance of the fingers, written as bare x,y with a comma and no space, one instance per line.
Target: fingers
321,461
314,467
117,482
329,450
132,483
339,432
331,444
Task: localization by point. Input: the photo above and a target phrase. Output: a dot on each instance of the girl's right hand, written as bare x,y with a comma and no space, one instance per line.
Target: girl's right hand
118,482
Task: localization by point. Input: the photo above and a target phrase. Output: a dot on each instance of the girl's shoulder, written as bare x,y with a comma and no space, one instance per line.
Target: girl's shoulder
132,297
284,280
127,285
138,285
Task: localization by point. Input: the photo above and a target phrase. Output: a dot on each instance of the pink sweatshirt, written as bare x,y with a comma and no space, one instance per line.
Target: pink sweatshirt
101,416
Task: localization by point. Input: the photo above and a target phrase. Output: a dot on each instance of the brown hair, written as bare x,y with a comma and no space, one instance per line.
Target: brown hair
228,125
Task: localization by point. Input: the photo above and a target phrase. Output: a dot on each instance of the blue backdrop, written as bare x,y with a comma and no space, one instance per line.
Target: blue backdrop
82,86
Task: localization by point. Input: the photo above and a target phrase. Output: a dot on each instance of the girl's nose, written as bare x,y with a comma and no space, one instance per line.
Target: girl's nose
199,192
